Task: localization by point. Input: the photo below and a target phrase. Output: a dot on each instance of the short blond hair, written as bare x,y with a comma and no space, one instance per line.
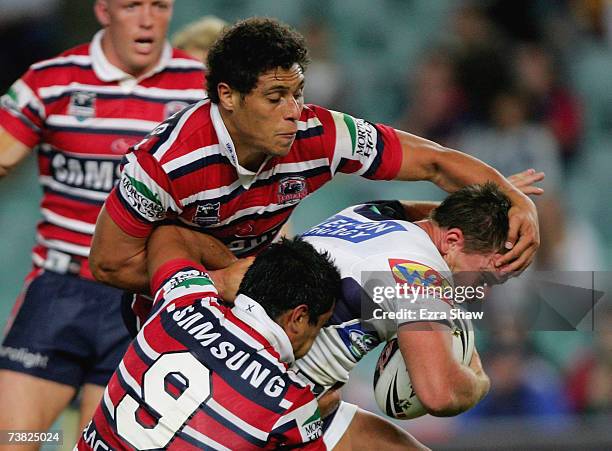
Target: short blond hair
200,34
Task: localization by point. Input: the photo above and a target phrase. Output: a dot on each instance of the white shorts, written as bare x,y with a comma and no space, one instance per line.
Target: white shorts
336,424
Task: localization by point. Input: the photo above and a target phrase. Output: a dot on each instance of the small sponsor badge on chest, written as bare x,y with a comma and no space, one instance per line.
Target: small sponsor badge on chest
82,105
207,214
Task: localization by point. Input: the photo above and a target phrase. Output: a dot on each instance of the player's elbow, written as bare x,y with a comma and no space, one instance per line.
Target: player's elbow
441,402
103,268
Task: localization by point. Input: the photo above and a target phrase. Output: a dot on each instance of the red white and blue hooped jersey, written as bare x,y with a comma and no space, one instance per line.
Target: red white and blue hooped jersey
373,250
201,375
187,169
83,114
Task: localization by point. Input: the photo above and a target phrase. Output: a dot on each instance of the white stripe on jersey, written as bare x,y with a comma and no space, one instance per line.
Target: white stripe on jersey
190,157
146,348
47,149
63,246
127,377
161,150
237,421
191,432
313,122
285,404
46,180
82,60
294,167
211,193
110,408
185,63
129,125
150,93
67,223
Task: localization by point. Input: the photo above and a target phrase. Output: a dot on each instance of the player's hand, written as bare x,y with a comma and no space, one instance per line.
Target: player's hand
524,227
227,280
525,180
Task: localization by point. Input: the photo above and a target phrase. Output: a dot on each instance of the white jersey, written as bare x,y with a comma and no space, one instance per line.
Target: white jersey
374,251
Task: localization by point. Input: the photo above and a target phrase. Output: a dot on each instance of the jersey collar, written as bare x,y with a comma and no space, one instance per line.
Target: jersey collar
252,313
228,149
107,72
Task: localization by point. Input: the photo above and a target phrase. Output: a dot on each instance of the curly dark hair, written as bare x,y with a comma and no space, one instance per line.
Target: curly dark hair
481,212
291,273
248,49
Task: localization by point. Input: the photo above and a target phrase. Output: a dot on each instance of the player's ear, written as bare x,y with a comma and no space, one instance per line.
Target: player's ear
227,96
102,13
453,239
298,319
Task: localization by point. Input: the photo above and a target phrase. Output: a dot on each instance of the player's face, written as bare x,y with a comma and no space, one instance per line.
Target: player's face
472,269
265,120
303,342
135,32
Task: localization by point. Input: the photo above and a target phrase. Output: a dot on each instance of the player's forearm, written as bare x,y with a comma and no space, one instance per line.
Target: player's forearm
468,388
130,274
447,168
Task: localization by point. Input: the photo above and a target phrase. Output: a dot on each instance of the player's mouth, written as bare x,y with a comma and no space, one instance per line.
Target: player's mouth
144,45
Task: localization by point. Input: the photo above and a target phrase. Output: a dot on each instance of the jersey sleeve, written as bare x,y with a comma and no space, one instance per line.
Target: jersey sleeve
181,277
361,147
301,426
22,112
143,195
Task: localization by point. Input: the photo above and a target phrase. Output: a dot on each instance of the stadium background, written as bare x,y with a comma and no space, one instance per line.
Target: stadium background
518,83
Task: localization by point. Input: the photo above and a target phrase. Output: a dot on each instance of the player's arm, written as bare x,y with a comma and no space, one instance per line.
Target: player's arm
120,259
12,152
451,170
524,181
444,385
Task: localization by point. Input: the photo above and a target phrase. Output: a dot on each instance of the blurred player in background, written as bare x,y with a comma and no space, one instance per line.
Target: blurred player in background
197,37
219,377
236,166
82,110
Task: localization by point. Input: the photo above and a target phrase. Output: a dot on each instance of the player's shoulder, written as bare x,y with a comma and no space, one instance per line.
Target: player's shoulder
182,60
188,131
76,56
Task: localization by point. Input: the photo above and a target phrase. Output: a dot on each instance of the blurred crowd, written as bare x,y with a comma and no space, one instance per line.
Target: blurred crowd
519,84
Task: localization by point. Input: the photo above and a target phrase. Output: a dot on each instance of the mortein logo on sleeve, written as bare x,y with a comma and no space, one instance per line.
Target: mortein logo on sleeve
292,189
142,199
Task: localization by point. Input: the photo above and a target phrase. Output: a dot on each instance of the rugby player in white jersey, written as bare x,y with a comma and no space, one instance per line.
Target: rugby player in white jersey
375,247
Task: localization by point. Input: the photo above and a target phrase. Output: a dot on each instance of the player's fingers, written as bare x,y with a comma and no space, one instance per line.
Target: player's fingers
514,224
519,265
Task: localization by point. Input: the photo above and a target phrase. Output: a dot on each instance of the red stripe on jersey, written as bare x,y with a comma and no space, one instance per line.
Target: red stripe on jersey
215,430
241,406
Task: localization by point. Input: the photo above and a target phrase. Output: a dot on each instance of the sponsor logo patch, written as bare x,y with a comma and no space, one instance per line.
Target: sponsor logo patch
414,273
207,214
363,136
292,189
142,199
352,230
358,341
311,429
82,105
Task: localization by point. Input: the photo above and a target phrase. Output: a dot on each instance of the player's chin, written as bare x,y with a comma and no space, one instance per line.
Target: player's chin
282,148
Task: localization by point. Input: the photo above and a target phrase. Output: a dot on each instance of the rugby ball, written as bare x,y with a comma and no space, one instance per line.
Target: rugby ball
392,387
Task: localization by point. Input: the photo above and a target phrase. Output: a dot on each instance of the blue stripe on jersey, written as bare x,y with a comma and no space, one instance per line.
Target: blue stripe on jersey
309,173
141,354
86,66
229,425
380,145
199,164
118,96
194,441
237,222
309,133
172,121
97,131
48,190
233,377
